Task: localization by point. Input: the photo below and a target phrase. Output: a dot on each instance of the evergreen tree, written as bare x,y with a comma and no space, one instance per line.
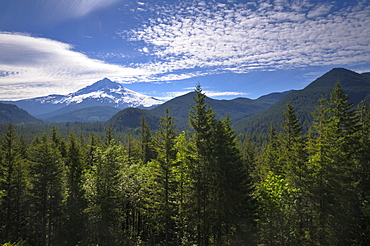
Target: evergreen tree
293,160
232,191
184,197
332,164
105,196
162,183
13,188
202,120
364,173
271,156
147,151
76,204
47,193
59,143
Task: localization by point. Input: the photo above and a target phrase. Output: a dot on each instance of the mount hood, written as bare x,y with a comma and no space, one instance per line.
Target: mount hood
102,93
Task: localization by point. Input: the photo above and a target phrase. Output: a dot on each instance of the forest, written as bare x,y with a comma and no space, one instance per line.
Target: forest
207,186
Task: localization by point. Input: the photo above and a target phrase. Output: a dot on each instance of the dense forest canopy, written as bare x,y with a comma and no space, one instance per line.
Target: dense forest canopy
96,186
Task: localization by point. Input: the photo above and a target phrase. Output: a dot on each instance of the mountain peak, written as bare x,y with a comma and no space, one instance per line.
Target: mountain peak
100,85
345,77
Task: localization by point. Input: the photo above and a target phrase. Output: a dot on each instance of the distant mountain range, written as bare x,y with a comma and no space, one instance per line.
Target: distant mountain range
256,116
179,108
104,101
305,101
102,93
11,113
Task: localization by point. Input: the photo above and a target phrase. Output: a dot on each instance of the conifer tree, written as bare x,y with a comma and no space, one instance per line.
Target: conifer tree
202,120
184,197
271,155
162,186
364,173
75,168
47,193
231,191
14,185
105,196
293,161
332,164
147,151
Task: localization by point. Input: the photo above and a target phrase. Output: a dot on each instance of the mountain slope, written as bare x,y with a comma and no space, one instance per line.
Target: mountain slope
12,114
305,101
131,118
102,93
90,114
179,108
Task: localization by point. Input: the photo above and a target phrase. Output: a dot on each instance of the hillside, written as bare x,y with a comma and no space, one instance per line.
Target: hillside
131,118
91,114
305,101
10,113
179,108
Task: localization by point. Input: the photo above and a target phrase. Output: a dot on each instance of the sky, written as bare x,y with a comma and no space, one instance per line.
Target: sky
164,48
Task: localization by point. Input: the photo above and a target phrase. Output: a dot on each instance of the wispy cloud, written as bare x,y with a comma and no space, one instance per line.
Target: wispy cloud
50,12
36,66
241,37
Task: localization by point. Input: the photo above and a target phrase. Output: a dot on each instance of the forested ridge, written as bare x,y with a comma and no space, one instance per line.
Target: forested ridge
206,186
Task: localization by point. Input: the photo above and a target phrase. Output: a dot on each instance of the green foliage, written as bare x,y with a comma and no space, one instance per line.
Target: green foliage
87,184
357,86
277,205
10,113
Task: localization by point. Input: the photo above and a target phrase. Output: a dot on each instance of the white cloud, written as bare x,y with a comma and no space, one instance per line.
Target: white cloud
61,10
242,37
37,66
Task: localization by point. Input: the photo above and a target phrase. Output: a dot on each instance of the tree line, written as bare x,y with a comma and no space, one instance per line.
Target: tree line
202,187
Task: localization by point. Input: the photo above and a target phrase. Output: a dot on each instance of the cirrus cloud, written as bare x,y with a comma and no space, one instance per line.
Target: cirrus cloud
264,35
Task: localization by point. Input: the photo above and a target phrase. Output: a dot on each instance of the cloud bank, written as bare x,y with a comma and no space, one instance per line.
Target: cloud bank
36,66
258,35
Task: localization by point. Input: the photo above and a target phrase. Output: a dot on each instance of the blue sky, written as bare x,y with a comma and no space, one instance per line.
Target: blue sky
163,48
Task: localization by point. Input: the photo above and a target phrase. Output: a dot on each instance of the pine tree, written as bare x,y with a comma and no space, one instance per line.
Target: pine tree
202,120
14,186
231,191
147,151
332,163
364,173
47,193
271,156
184,197
75,168
293,161
105,196
162,186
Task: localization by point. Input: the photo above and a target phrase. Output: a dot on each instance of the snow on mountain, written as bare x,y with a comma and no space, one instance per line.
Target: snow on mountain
102,93
105,92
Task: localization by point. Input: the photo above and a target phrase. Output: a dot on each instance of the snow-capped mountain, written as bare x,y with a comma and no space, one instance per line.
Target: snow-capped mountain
102,93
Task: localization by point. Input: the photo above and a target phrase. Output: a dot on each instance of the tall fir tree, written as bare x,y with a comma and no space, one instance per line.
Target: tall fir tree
147,151
232,187
76,203
363,173
105,196
293,158
47,193
162,183
202,121
332,164
14,186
